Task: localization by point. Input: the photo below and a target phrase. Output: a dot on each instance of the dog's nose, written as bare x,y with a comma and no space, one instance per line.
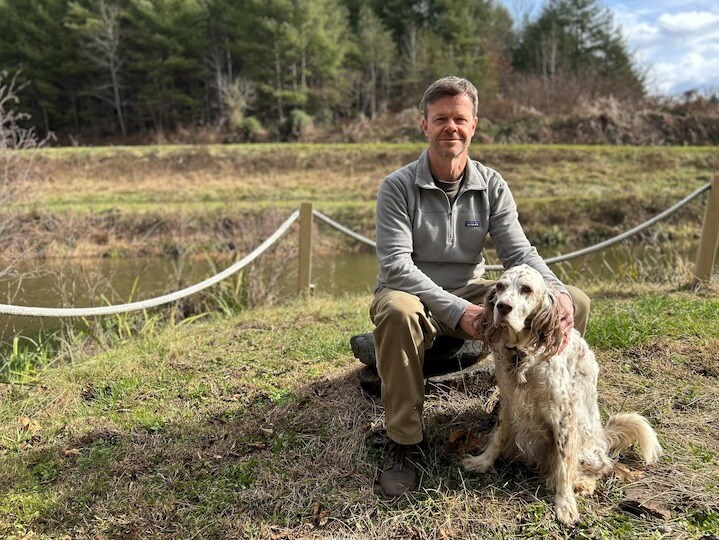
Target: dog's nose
503,308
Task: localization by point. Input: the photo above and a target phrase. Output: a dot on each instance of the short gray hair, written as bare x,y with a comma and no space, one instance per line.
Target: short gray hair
449,86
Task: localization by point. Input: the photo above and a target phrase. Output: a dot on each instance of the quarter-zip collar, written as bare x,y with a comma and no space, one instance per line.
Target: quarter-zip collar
472,177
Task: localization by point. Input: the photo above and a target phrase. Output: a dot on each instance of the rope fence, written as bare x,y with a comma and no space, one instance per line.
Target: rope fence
705,258
560,258
160,300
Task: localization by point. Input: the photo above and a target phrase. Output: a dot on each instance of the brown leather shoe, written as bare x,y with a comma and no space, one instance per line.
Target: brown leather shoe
399,470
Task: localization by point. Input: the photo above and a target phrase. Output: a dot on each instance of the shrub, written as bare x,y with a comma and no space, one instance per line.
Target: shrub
298,125
14,172
250,129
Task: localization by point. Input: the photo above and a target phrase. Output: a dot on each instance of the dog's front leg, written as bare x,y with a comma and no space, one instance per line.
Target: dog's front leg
564,470
500,436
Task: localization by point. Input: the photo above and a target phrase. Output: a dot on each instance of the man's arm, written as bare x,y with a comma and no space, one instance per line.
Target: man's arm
513,247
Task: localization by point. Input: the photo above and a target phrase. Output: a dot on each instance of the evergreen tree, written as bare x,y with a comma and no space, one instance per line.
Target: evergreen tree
578,38
165,39
294,50
377,54
475,35
35,41
227,100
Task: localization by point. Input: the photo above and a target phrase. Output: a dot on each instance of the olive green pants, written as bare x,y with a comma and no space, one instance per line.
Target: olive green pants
404,329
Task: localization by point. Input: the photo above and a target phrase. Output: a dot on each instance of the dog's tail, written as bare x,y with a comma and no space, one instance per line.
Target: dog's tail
625,429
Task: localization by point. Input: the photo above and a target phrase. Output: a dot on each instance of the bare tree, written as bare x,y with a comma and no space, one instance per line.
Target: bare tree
15,165
100,44
236,95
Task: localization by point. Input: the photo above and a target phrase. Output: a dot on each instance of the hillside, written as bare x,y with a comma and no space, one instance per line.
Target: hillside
124,201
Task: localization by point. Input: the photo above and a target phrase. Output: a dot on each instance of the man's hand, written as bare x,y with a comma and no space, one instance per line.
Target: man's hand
567,322
468,321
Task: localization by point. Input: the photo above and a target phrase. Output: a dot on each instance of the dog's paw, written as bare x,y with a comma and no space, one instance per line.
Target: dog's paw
566,508
585,486
480,463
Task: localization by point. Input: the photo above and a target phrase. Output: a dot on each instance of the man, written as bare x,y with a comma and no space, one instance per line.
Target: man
433,217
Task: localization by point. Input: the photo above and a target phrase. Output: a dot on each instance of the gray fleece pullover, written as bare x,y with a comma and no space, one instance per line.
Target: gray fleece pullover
427,246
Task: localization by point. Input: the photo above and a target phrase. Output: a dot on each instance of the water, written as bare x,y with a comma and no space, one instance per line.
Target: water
101,282
81,283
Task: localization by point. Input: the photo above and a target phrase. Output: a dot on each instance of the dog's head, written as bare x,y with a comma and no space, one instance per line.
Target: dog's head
521,311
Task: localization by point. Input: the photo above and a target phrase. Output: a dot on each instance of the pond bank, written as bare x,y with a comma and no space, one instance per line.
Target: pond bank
149,201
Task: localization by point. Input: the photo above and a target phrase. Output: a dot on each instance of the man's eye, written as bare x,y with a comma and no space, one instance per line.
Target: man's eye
526,289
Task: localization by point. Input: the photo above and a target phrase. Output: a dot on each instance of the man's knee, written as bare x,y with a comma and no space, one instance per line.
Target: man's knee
396,308
581,304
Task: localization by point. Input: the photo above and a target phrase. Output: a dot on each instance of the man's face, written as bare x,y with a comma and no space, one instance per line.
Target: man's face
450,125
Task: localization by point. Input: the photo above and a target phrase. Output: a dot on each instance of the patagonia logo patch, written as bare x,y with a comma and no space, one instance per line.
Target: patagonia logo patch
471,223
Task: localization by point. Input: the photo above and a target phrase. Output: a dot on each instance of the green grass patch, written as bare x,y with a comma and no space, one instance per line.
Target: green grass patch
254,426
639,321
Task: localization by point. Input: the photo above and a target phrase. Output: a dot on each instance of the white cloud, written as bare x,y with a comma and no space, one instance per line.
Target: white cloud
676,41
689,21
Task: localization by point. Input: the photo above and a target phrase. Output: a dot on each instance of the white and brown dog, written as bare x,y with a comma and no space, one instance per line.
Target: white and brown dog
549,415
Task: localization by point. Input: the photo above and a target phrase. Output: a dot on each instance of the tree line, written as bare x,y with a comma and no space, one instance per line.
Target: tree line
122,67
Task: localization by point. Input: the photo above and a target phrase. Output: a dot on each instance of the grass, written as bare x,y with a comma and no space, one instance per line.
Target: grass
253,426
251,423
138,200
133,178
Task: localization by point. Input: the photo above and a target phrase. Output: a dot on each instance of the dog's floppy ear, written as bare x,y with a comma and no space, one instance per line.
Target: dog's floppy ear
545,328
489,333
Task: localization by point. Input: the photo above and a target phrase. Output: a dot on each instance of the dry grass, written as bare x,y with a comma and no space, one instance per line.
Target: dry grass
255,427
146,200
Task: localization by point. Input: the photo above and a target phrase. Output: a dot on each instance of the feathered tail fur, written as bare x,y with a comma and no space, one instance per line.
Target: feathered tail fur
625,429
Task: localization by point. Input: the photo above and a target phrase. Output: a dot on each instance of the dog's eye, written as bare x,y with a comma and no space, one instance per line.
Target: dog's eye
526,289
500,287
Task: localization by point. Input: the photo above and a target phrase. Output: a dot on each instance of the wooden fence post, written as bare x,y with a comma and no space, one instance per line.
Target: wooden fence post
710,236
305,269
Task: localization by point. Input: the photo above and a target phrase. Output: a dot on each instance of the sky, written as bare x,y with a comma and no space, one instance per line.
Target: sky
676,42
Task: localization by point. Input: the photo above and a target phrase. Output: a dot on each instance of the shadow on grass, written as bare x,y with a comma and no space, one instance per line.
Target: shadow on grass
304,466
250,465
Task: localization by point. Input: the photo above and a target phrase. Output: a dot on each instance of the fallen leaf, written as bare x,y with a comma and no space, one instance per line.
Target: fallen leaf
319,391
349,473
651,508
446,533
458,434
320,516
28,425
622,471
72,452
464,441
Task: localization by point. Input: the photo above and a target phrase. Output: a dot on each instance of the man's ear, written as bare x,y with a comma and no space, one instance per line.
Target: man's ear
424,125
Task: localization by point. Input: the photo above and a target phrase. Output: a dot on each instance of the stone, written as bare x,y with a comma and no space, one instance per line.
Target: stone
447,354
450,363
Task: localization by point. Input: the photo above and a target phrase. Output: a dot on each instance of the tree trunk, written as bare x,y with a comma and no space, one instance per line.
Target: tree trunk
278,84
116,93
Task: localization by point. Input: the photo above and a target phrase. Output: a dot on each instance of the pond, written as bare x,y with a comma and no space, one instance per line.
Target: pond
98,282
